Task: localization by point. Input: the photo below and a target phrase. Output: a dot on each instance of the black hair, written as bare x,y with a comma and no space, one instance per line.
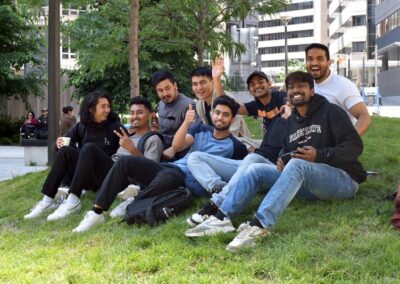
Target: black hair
67,109
33,114
318,46
202,71
162,75
89,104
299,76
139,100
227,101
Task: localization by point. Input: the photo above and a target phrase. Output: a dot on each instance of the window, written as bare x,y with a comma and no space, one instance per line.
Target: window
294,34
358,46
293,21
358,21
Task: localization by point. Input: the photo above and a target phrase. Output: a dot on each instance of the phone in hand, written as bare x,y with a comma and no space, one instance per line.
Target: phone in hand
287,156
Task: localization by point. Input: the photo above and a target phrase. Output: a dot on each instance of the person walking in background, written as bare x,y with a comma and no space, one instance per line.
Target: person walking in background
30,125
94,131
67,119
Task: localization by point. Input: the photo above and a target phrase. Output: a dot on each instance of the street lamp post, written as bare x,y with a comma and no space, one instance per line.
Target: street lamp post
255,40
285,20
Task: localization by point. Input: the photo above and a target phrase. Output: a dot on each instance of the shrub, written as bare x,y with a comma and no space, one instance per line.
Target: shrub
9,129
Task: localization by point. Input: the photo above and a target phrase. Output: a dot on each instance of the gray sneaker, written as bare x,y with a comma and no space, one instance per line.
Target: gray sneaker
247,237
210,227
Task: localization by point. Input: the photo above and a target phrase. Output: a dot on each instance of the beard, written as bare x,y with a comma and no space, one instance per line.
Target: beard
222,128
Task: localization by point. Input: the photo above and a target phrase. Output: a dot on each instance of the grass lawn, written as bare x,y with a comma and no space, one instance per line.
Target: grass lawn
313,242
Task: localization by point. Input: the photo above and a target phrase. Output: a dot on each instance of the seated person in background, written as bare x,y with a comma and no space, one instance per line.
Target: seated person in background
163,177
67,119
324,148
30,125
266,104
42,131
94,131
171,110
203,88
93,164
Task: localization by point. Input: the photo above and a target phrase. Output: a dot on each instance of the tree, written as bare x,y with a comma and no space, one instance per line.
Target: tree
20,48
293,65
134,49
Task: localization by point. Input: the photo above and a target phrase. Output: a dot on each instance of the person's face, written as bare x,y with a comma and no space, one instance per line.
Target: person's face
167,91
102,110
140,116
259,87
317,64
222,117
203,87
45,112
30,115
299,93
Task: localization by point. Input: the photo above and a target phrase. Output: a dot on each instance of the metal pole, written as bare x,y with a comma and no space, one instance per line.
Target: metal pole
348,67
53,76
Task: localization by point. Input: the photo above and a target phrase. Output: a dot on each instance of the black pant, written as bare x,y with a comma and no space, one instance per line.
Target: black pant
87,167
157,178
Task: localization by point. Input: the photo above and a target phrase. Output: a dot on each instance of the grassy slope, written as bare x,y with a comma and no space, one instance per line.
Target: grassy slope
318,242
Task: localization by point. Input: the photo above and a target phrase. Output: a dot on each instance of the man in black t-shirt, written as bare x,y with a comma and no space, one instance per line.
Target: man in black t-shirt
266,103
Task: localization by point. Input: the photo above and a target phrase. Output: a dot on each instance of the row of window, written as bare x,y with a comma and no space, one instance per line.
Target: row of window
294,34
359,20
388,24
281,49
293,21
277,63
298,6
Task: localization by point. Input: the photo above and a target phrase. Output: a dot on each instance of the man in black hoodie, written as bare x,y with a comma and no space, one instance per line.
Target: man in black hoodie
319,161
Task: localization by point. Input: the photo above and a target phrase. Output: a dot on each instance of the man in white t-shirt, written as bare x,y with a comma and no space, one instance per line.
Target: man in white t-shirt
336,89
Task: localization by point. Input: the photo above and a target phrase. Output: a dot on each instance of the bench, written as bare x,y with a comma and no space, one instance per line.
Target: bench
35,152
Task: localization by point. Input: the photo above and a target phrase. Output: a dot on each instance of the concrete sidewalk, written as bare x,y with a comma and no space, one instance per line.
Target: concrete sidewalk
12,163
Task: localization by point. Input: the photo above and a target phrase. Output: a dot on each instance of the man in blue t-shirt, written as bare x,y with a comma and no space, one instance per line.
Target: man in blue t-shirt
266,104
159,178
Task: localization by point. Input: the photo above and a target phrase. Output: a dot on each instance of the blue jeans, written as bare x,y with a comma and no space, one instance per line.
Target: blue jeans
210,170
299,178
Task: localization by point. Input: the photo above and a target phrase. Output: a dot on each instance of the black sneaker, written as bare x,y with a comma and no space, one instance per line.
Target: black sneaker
200,216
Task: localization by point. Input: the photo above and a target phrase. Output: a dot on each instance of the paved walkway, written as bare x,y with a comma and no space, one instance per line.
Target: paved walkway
12,163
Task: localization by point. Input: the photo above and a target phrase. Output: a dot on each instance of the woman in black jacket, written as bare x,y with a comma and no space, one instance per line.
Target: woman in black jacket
92,136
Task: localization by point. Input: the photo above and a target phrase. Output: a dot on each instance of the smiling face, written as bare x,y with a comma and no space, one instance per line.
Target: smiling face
299,93
222,117
318,64
101,111
259,87
167,91
203,87
140,116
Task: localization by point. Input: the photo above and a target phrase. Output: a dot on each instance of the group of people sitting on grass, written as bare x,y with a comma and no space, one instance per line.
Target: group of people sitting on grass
310,149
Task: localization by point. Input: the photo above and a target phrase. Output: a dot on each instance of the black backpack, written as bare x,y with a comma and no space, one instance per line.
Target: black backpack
157,209
143,139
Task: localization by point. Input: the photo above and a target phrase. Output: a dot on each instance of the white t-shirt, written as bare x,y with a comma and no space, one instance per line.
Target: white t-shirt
340,91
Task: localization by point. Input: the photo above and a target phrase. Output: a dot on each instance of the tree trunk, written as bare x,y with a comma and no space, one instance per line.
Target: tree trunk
201,32
134,49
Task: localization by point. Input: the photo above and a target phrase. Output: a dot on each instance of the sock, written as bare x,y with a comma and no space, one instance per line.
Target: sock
47,200
97,210
255,222
220,216
73,199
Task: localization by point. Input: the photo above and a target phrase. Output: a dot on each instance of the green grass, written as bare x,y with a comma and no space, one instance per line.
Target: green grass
313,242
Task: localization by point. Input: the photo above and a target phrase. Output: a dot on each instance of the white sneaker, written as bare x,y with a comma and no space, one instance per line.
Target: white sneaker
119,211
39,208
63,211
90,220
247,237
131,191
211,226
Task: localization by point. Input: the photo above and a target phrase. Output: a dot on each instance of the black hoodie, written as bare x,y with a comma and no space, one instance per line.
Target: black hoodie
328,129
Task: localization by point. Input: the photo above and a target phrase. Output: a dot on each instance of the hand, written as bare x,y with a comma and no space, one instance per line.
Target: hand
124,140
286,110
59,142
308,153
280,165
218,67
190,116
168,154
155,125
